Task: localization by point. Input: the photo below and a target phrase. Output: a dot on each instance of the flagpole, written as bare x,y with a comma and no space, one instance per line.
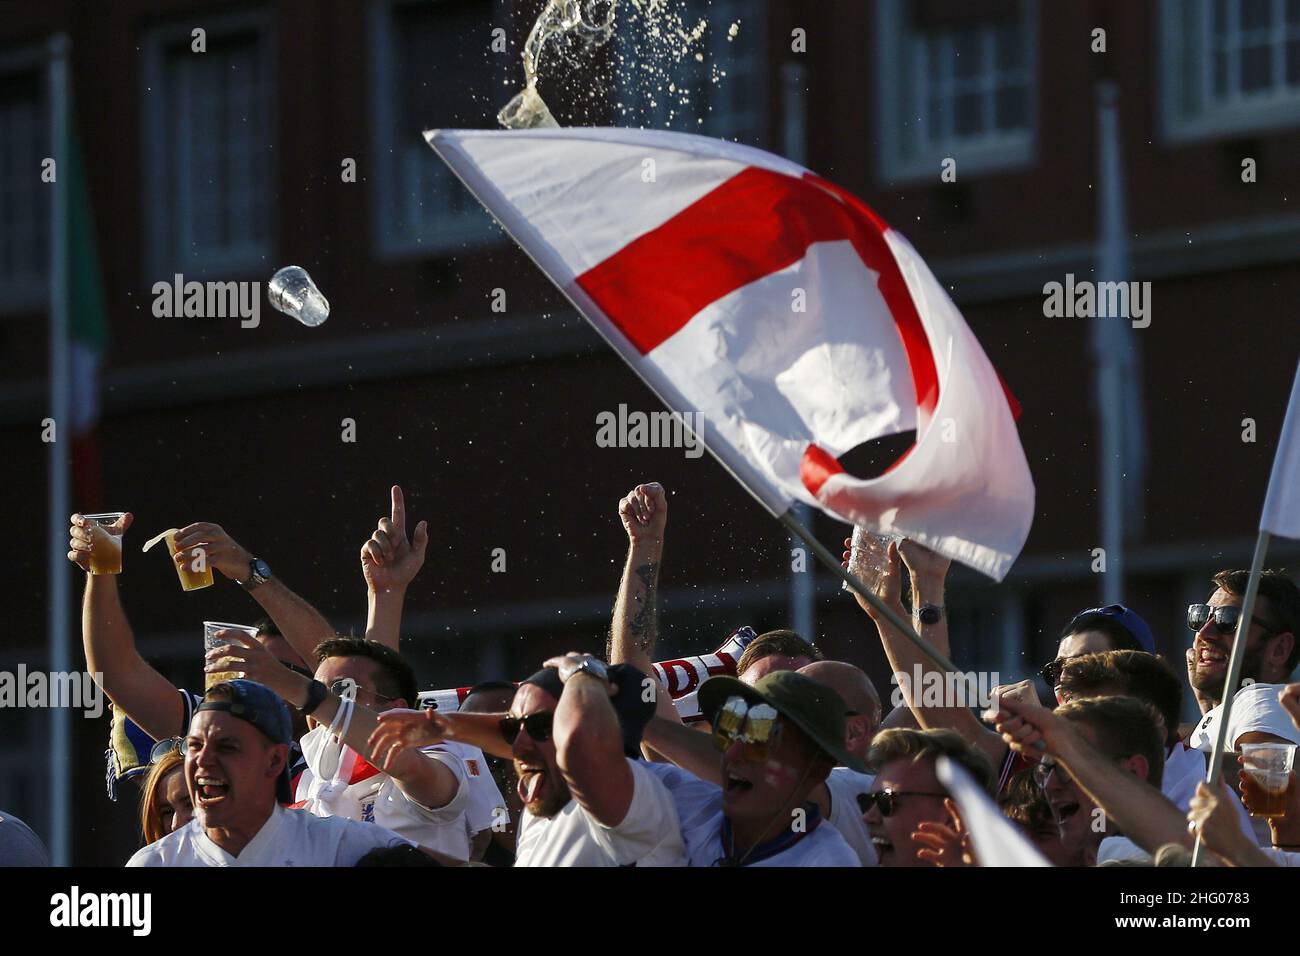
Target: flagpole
58,618
1233,677
789,520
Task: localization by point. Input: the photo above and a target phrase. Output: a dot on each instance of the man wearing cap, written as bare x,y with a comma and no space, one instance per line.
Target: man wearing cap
778,741
236,767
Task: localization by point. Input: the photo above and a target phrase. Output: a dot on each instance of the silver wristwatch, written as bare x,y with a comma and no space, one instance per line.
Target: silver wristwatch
259,572
589,665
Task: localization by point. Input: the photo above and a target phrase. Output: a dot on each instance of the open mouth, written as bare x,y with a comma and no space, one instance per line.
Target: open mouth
736,784
882,845
1210,657
530,783
209,790
1064,811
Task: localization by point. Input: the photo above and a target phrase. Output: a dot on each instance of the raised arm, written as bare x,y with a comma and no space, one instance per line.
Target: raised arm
389,562
928,573
130,682
301,624
589,743
687,748
635,625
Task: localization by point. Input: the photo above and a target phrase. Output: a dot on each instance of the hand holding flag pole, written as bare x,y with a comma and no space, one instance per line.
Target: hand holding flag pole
1281,515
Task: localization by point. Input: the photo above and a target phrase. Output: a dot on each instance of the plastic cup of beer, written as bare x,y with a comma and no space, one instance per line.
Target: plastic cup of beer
1266,777
869,557
105,543
211,640
191,580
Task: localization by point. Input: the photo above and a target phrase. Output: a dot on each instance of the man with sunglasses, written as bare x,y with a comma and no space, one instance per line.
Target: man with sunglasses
574,733
906,796
1271,655
777,742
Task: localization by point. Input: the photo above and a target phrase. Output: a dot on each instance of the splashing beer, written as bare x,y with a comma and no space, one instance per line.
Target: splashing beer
558,19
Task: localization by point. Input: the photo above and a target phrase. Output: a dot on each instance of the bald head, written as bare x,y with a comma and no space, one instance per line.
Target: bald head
859,695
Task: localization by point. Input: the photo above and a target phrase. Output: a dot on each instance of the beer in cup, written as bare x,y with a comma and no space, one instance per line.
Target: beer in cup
105,543
210,640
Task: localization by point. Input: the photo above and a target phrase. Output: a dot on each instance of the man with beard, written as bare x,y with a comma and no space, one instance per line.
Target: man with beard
1271,654
236,765
573,731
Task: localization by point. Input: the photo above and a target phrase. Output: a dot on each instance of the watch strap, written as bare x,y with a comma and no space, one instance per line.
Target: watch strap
316,693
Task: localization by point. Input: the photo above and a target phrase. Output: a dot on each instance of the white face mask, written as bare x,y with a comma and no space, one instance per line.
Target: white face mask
331,761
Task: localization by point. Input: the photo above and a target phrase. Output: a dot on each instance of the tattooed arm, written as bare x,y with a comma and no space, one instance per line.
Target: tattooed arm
635,625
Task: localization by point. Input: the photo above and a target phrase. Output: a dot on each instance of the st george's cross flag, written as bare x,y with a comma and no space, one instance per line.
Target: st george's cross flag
741,286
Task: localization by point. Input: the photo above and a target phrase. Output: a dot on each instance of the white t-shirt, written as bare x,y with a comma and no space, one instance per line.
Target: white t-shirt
288,838
1283,857
1185,767
376,798
1254,709
1115,848
485,804
844,785
649,835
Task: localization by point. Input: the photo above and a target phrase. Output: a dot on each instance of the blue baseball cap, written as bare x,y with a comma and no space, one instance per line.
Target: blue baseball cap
265,710
1125,617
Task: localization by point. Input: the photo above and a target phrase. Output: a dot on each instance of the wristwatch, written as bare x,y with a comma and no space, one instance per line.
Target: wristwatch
316,693
929,613
588,665
259,572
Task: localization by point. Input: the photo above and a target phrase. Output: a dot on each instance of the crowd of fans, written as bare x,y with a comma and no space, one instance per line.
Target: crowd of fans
317,754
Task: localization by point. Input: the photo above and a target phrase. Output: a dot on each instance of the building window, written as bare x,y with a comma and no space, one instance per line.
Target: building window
430,69
210,157
955,81
1229,66
723,94
24,198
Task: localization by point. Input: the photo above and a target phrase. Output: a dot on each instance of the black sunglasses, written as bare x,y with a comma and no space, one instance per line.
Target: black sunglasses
537,725
1225,619
1051,672
887,799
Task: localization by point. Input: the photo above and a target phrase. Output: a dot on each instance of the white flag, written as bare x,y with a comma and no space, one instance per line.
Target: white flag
996,840
1282,504
739,285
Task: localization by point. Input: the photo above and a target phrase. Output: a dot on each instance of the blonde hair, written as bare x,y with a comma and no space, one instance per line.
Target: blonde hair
151,822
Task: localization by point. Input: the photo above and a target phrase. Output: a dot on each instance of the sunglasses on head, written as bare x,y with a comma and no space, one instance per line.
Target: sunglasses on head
757,727
537,725
886,800
1225,619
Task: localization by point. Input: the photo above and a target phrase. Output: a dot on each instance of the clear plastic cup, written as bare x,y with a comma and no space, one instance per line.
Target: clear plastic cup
211,640
869,557
105,543
292,291
191,580
527,110
1267,777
